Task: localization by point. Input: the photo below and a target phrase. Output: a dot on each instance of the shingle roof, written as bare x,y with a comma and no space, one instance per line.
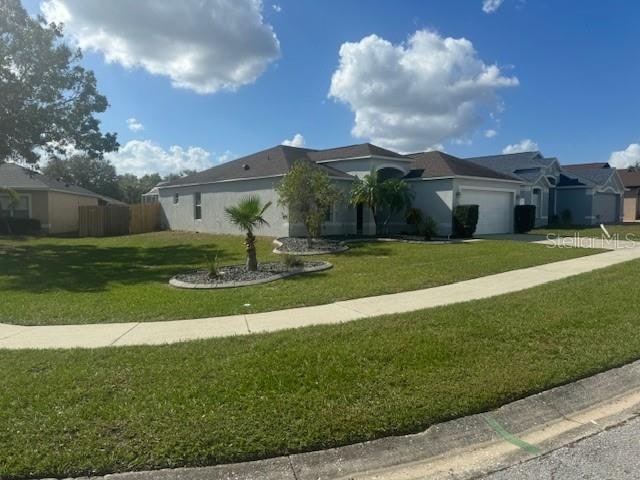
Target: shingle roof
267,163
439,164
578,167
352,151
630,178
527,166
19,178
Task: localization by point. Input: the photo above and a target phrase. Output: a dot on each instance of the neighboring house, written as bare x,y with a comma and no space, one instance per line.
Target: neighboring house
54,203
152,196
591,192
631,181
439,182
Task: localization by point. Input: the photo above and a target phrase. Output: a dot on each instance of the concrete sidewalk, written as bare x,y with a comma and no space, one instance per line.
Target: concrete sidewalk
156,333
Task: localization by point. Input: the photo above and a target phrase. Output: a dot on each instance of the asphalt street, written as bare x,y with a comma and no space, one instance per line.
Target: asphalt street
610,455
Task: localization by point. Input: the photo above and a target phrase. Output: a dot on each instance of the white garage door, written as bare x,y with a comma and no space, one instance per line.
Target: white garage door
495,214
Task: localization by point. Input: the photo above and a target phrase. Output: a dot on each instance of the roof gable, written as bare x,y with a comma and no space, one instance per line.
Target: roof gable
439,164
17,177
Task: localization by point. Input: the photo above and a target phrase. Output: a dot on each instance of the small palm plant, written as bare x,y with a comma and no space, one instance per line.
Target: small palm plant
247,215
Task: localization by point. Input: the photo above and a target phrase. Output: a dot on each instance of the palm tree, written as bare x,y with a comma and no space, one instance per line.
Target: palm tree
366,191
247,215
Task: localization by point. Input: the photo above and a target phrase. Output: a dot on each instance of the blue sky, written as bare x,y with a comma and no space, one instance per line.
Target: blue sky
568,78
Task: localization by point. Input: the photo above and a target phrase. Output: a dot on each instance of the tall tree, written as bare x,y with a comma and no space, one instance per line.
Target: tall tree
248,215
95,174
48,101
308,193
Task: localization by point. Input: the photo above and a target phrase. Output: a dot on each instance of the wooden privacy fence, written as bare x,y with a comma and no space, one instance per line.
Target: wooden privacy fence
144,217
110,220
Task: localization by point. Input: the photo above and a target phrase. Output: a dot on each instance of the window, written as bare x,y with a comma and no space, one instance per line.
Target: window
176,198
197,206
328,214
17,208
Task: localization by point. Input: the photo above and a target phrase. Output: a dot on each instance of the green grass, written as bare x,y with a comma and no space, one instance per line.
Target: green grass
627,231
66,281
78,412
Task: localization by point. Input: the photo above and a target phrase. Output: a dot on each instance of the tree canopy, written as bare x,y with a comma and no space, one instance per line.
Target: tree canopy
48,101
95,174
308,193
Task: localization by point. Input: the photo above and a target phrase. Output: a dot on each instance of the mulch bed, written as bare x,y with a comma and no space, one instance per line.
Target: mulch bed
300,246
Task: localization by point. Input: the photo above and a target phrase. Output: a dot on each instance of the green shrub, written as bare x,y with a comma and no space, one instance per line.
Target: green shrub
211,266
19,226
524,218
429,228
566,218
465,220
292,261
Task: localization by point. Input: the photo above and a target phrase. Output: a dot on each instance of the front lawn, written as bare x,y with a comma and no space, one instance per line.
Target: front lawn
76,412
118,279
628,231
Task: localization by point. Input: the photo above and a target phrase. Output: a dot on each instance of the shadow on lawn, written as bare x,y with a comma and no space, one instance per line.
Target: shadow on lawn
87,268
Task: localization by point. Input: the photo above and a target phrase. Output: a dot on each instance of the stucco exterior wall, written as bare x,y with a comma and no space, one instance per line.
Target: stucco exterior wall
217,196
63,211
435,199
606,208
579,201
362,166
38,206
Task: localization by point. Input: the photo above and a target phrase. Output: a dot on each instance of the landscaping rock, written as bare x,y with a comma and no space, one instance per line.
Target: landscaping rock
300,246
238,275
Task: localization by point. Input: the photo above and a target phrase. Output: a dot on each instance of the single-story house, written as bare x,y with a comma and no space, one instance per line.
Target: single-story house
592,193
631,181
439,182
52,202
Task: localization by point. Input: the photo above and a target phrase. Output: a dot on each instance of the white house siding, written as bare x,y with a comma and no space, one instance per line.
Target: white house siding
217,196
435,199
495,198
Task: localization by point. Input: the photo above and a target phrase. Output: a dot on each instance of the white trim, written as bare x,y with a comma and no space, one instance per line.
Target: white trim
57,190
487,189
465,177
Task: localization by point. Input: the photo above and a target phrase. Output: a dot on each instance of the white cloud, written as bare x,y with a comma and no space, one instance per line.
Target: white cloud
144,156
225,157
525,145
134,125
277,8
626,158
417,94
296,141
490,133
490,6
201,45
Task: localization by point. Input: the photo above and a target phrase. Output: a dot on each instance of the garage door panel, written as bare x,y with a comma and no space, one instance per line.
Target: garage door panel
495,210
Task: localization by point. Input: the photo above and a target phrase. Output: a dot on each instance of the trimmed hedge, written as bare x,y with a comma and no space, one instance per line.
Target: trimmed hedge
465,220
524,218
19,226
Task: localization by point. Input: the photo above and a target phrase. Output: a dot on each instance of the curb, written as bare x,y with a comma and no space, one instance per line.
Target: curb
465,447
